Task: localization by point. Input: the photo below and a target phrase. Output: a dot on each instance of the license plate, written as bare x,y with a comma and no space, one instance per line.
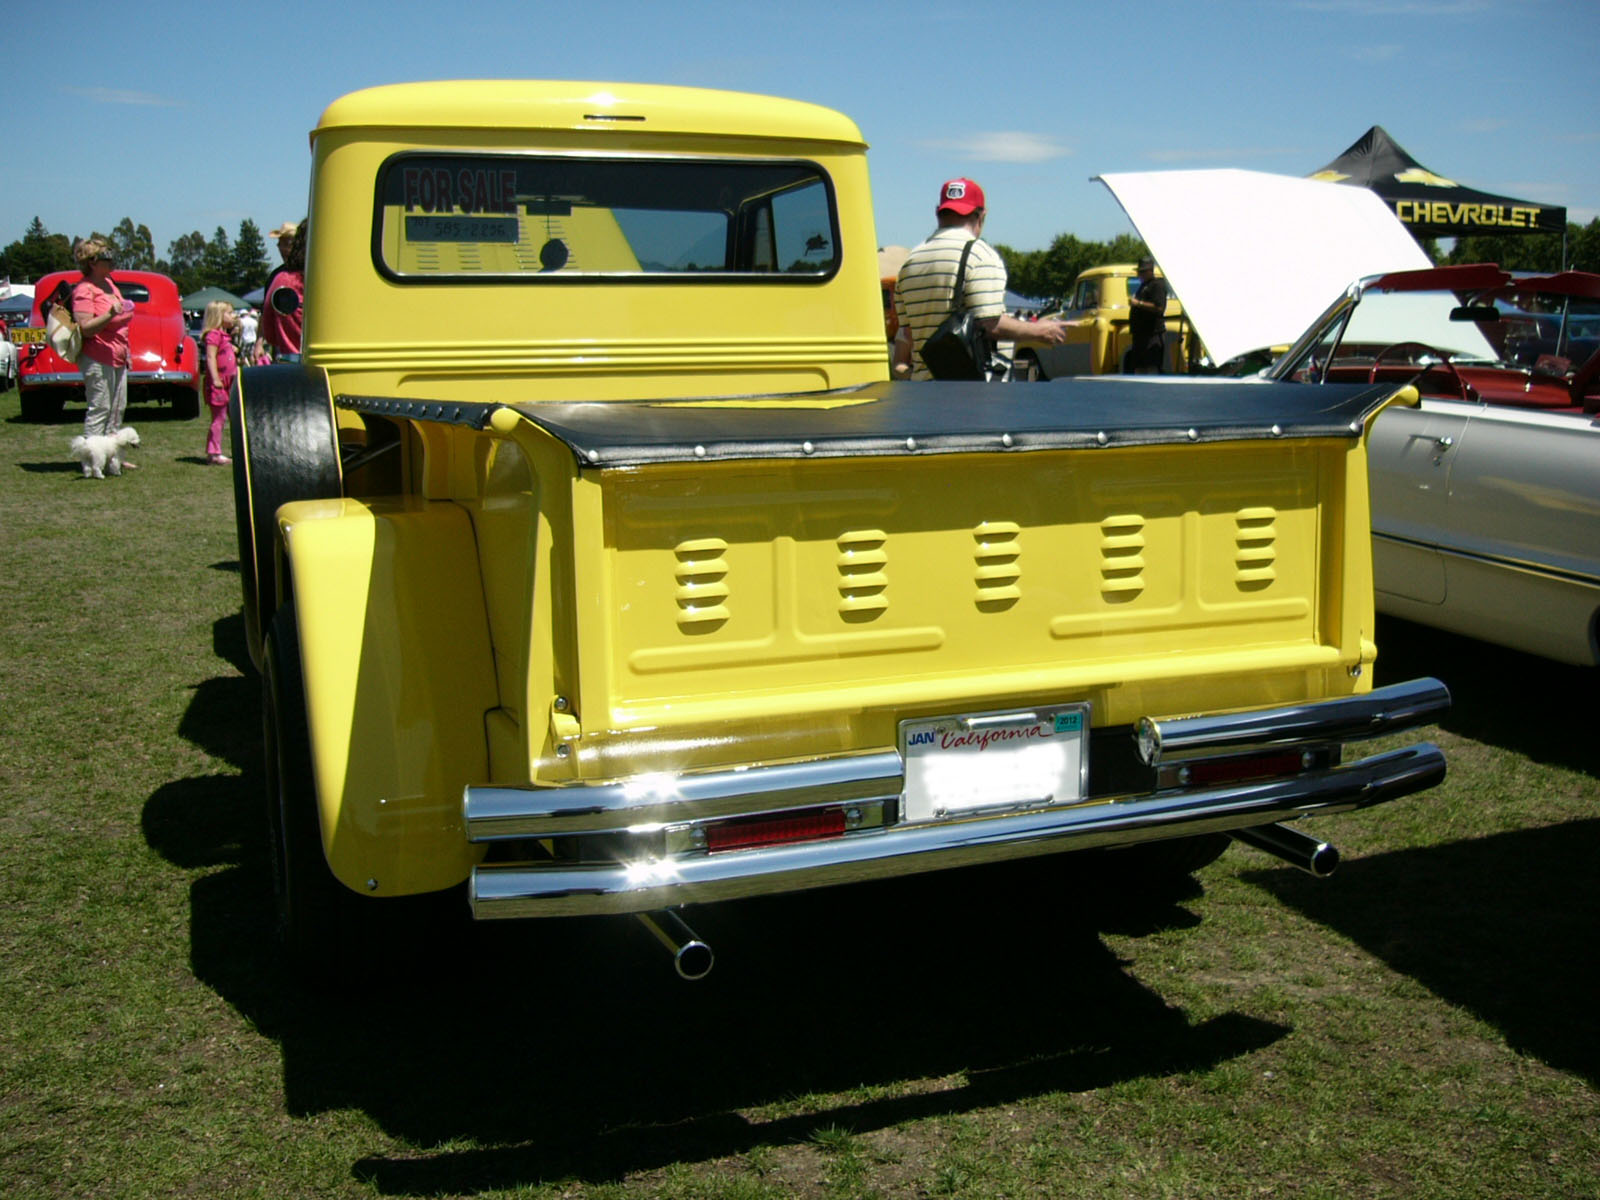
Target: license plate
996,760
24,336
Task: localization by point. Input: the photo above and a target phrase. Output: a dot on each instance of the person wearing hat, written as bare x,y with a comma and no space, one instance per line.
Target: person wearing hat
284,236
103,316
927,280
1147,322
282,316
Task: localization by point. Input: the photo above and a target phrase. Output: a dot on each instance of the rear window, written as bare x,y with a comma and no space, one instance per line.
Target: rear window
451,216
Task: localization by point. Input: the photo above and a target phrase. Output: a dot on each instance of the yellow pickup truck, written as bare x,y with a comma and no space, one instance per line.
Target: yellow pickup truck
1096,313
593,564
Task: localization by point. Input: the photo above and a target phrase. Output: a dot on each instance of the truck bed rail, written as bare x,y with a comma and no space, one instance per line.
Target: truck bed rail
904,418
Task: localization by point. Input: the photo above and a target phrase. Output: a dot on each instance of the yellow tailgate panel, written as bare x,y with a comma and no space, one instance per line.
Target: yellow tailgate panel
764,588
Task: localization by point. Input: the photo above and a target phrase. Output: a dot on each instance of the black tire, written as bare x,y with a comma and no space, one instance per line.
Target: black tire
1027,369
44,405
285,447
318,923
185,404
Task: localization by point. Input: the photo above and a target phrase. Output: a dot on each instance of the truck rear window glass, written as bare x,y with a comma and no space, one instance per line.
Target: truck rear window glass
480,216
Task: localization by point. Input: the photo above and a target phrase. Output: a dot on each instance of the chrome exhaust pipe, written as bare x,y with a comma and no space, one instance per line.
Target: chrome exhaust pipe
691,957
1311,855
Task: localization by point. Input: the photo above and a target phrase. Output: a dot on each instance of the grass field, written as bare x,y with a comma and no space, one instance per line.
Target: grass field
1423,1024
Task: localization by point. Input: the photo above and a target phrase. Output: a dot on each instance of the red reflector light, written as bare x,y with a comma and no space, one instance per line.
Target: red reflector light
775,830
1234,770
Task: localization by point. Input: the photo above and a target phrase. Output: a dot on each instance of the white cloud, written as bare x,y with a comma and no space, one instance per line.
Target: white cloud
1002,146
103,95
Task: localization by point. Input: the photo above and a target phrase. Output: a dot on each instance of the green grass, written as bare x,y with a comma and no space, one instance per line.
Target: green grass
1423,1024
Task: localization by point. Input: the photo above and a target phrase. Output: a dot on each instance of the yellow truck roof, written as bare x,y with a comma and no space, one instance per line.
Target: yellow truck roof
568,105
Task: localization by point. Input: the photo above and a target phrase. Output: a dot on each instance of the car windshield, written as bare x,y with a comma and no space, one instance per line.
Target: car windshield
552,217
1507,327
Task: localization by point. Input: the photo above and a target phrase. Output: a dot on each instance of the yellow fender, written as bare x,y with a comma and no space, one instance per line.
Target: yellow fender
399,673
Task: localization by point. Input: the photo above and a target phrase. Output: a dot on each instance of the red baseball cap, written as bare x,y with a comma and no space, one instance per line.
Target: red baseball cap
960,196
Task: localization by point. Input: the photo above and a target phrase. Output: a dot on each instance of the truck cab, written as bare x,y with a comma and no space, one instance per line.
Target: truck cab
1096,312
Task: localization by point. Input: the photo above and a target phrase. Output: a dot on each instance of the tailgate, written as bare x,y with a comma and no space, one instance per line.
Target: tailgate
859,583
921,548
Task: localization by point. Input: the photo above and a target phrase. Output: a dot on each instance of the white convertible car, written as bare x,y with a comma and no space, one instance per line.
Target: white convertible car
1486,496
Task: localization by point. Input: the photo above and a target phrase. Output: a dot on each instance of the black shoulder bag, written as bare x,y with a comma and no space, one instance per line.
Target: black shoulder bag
959,348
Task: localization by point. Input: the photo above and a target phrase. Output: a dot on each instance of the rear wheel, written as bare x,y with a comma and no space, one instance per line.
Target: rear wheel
317,918
285,447
185,404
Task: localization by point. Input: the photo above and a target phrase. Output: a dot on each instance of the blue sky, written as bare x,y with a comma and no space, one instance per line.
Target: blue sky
187,117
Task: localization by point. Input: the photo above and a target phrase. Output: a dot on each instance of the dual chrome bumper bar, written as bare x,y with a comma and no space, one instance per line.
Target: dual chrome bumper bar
559,889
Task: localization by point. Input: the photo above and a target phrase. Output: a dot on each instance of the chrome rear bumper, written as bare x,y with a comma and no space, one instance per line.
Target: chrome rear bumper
559,889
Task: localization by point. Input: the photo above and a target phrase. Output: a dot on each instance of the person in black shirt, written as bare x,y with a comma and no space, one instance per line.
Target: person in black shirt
1147,322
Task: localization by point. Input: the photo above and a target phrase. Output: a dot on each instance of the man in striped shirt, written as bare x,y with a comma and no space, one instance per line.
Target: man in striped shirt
923,292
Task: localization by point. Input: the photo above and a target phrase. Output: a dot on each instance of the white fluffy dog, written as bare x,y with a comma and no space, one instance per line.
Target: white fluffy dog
101,455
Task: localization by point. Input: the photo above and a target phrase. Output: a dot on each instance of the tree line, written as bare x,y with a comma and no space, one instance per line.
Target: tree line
238,265
241,264
1049,274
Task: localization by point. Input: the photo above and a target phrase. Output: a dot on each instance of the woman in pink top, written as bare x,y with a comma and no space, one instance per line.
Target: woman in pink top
221,368
103,317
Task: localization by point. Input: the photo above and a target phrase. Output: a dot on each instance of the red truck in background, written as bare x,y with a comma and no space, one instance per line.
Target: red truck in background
164,364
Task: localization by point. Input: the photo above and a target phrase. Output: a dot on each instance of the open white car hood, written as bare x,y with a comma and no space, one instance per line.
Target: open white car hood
1255,257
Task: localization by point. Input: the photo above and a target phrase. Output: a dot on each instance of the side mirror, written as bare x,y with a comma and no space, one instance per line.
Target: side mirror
284,301
1475,312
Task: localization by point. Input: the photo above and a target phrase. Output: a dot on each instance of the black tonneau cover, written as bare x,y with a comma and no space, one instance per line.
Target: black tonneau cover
931,418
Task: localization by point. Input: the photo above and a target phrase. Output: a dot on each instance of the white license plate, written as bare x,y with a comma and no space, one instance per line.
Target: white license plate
979,761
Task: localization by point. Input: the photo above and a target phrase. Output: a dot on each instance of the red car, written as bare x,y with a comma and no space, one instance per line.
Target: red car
164,364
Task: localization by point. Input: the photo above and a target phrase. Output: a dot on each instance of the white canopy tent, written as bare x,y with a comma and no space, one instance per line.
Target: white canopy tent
1257,257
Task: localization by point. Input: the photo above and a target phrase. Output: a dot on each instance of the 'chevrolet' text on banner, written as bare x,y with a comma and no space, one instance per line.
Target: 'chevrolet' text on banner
1490,216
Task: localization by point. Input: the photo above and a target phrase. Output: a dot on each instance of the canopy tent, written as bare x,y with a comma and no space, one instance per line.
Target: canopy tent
1257,257
197,301
889,260
19,303
255,296
1428,204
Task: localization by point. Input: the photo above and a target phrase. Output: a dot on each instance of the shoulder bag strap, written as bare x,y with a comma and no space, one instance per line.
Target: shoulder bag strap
958,301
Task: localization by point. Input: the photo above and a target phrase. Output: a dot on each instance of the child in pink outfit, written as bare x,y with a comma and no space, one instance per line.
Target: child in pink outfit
221,369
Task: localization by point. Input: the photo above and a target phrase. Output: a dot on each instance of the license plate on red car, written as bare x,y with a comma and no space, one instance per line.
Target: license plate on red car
963,764
23,337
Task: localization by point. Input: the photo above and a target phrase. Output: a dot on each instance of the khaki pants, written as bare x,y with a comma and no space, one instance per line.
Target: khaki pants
106,390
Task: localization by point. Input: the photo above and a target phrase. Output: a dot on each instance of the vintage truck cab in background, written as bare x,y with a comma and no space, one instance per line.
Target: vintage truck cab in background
594,565
1097,337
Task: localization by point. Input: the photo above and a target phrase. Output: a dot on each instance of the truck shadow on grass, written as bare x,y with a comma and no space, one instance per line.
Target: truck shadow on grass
569,1048
1505,926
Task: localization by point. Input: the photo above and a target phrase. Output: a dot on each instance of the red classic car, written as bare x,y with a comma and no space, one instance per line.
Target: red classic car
164,362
